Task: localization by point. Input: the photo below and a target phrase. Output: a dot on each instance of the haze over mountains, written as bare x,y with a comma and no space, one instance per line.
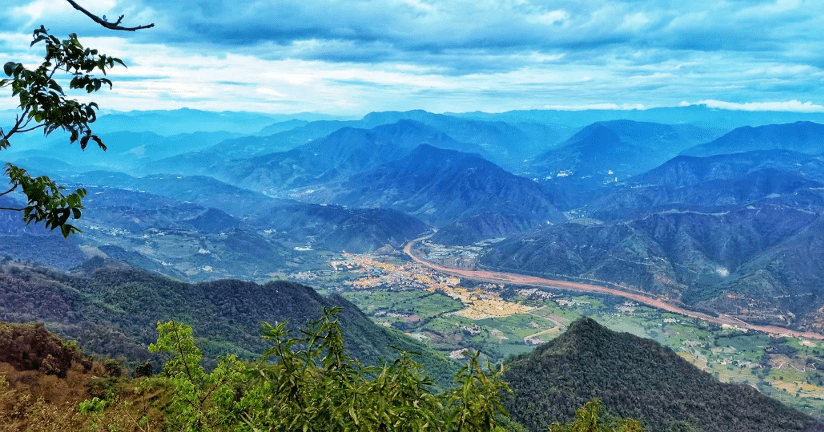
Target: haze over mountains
716,216
666,198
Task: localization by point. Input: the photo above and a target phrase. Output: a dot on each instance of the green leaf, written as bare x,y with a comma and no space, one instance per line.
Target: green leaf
9,67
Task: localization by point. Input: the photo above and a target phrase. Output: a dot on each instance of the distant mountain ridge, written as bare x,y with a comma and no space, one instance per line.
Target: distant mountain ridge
343,153
604,153
712,182
803,137
442,186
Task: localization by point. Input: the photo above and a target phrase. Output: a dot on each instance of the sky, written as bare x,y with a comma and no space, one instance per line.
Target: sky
351,57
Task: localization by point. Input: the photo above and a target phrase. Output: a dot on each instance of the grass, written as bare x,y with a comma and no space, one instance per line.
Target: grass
421,303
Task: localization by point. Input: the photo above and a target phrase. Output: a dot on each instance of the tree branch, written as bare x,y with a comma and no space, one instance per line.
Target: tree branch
9,191
111,26
31,128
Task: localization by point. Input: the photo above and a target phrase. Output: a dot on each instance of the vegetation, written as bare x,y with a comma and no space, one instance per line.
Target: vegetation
301,383
44,106
588,418
32,347
312,385
112,312
636,378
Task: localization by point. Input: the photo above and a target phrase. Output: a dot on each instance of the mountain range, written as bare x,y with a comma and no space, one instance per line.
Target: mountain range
755,263
639,213
710,210
605,153
803,137
441,186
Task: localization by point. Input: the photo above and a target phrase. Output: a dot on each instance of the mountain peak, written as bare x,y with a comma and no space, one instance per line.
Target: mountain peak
599,132
634,377
584,335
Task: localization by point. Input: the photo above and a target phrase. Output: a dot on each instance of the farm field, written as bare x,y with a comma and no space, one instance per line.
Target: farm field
452,315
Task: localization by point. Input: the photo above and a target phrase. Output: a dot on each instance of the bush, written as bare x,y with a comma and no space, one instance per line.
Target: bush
32,347
313,386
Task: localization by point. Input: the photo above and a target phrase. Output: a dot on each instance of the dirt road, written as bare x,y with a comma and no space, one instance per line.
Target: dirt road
512,278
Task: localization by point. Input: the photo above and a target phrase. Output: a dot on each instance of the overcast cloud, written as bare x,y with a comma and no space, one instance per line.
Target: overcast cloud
356,56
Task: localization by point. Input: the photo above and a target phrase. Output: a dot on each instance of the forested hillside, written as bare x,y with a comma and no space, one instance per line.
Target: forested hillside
113,312
636,378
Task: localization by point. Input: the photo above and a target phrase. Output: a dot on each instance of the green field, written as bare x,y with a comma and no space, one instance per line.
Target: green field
730,355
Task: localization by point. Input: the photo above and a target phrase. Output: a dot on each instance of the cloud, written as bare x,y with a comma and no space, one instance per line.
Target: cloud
362,55
786,106
601,106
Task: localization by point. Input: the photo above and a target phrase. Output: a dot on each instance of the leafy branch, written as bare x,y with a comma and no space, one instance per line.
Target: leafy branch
44,105
308,383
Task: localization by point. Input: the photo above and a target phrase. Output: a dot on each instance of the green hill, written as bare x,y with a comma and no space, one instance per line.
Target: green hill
112,311
636,378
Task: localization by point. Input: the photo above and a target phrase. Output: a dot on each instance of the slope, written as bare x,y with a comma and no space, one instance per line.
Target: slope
803,137
715,181
637,378
744,262
607,152
113,311
442,186
334,157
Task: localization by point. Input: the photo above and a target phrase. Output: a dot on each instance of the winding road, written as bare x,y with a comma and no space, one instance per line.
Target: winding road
513,278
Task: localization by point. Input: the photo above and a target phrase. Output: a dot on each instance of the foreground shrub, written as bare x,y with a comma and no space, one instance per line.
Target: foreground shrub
307,383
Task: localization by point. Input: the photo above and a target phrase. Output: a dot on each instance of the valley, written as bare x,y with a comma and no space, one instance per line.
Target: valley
415,215
626,292
451,310
460,233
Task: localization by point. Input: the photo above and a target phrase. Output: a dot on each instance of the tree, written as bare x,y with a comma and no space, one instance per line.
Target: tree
44,105
307,383
588,418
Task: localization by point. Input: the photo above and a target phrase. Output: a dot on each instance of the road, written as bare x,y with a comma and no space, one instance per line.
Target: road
513,278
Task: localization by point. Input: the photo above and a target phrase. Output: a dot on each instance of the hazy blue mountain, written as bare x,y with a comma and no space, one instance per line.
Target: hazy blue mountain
329,227
202,190
34,242
765,255
282,126
638,378
505,144
42,164
202,228
161,234
203,161
442,186
684,171
699,115
335,157
717,181
803,137
187,120
605,153
338,228
126,150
